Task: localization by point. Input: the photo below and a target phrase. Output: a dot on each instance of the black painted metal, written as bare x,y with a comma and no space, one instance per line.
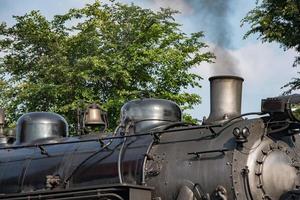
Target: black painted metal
35,127
238,159
202,157
102,192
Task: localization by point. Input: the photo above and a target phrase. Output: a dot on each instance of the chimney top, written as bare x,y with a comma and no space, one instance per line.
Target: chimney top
225,98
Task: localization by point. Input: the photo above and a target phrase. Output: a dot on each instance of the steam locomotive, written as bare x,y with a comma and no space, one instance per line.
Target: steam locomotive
154,155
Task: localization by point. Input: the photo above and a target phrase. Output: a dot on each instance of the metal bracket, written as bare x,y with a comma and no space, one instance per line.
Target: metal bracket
197,154
156,138
43,150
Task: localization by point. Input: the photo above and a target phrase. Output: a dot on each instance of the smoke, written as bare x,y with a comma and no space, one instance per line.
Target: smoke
225,63
213,16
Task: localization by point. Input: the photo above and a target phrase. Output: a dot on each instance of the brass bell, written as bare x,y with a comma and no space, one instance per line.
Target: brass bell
94,116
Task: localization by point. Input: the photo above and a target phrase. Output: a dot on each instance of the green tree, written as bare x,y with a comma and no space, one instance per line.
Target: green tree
277,21
104,53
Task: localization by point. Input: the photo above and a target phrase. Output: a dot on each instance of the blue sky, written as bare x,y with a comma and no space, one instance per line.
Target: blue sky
265,67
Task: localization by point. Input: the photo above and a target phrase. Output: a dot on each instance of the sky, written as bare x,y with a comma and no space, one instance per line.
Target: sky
264,67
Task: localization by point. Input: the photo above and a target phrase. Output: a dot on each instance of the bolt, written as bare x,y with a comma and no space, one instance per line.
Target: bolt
257,173
265,152
272,146
260,162
225,116
149,157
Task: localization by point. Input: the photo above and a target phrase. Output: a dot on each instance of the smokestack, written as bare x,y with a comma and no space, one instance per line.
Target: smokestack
225,98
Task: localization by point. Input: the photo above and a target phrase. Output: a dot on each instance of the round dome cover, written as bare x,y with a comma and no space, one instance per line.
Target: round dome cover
35,126
149,113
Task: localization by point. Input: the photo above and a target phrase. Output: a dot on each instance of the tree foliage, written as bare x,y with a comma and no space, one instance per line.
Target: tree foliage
105,53
277,21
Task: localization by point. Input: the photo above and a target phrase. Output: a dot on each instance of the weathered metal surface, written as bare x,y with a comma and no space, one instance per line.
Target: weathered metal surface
225,97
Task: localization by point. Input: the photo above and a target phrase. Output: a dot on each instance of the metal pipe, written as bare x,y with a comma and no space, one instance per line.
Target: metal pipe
120,161
225,98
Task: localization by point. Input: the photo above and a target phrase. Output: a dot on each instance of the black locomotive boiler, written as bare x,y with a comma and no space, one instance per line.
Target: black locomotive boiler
154,155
